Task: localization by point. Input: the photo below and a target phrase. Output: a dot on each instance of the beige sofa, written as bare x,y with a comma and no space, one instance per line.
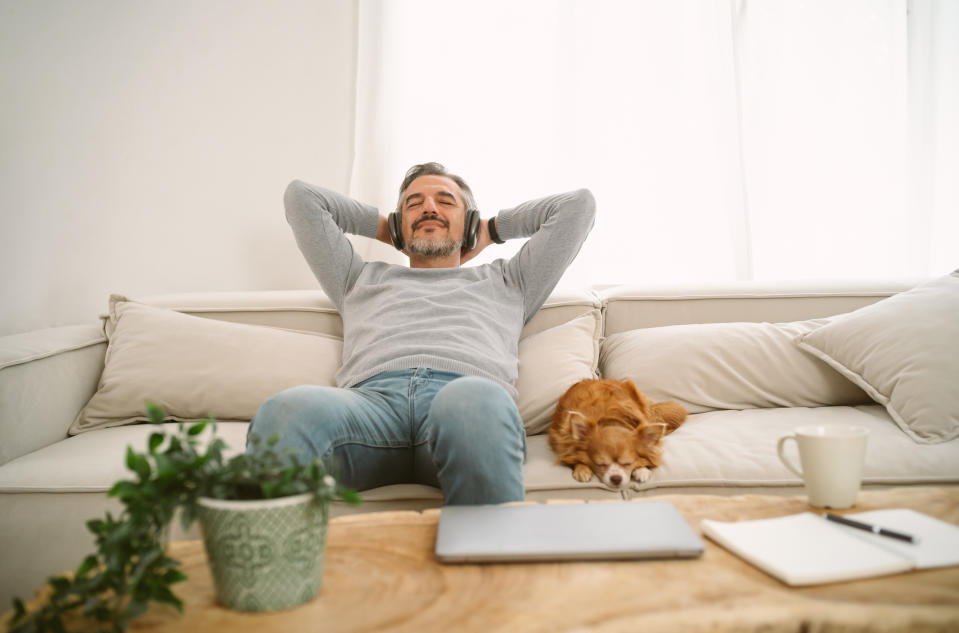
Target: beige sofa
730,353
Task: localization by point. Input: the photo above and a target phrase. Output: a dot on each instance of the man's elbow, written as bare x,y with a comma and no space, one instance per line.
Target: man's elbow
294,195
586,203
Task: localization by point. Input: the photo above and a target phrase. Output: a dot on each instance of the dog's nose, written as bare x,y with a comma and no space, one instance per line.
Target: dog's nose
616,480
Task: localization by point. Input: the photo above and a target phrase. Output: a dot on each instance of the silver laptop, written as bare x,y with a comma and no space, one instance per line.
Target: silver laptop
580,531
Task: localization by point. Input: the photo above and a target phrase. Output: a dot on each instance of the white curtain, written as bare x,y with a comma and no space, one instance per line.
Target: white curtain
722,140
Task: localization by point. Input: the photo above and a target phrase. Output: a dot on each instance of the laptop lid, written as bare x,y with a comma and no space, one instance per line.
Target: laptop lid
580,531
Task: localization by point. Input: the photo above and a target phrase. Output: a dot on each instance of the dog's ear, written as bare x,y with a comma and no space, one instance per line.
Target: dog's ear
578,425
651,433
642,401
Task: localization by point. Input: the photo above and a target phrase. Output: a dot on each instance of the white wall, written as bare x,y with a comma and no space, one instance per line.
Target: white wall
145,146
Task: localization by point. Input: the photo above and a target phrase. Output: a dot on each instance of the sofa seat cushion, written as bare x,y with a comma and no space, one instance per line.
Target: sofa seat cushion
716,449
92,462
738,448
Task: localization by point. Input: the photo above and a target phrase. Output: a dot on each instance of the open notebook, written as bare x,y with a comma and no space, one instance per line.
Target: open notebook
807,549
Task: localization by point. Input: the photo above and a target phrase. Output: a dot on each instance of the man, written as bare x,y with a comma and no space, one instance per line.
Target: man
430,352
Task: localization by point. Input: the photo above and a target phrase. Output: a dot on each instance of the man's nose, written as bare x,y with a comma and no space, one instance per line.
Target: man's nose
429,206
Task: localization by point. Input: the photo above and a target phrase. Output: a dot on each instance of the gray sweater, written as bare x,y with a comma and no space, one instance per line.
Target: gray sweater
466,319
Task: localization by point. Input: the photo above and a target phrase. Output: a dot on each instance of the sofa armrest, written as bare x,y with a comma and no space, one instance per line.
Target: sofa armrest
46,377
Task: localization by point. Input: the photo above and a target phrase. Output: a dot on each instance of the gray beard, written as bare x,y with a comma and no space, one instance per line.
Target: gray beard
433,247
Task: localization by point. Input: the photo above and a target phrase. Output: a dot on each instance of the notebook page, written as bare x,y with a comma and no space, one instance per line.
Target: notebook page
804,549
937,542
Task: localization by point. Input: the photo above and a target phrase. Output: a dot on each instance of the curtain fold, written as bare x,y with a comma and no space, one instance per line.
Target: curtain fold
723,140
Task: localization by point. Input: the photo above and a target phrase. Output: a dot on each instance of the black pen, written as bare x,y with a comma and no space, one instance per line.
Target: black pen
875,529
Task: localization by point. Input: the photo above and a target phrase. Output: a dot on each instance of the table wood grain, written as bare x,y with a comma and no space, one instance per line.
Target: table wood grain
381,575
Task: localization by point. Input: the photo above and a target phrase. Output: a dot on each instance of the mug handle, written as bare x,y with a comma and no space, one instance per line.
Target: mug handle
779,448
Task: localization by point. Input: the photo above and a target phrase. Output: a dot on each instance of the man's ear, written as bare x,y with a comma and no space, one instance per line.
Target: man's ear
578,425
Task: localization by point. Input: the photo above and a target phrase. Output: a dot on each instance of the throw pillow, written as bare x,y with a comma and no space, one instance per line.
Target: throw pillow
710,366
194,367
904,352
550,362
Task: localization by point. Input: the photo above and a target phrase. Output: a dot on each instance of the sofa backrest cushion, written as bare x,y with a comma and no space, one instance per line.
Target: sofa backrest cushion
903,351
711,366
551,361
194,367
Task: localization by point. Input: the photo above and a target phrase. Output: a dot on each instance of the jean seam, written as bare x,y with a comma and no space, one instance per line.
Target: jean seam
368,444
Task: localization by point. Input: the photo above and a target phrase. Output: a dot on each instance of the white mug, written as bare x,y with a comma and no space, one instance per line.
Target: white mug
831,458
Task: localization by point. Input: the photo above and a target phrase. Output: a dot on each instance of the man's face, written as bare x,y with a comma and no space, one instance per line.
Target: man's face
433,216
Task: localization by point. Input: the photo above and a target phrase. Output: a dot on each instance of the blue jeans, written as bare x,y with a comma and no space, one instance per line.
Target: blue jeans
462,434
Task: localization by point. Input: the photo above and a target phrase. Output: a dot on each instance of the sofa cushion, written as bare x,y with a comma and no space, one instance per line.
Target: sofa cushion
710,366
719,450
195,367
904,352
552,360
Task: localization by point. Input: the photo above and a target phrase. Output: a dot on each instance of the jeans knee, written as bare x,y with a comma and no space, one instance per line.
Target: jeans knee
294,415
276,412
477,412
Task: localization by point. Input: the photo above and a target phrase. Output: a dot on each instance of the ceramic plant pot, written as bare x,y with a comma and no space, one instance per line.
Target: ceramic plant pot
265,554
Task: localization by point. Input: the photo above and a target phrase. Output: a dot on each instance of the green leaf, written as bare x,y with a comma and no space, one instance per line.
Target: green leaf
162,593
144,564
197,428
155,440
138,463
131,458
135,608
267,488
165,467
349,496
88,563
60,584
122,489
155,414
174,576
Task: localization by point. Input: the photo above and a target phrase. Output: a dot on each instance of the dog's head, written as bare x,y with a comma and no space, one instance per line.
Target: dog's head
614,451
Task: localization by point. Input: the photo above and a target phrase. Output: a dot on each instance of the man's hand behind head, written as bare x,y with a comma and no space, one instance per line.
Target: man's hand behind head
482,241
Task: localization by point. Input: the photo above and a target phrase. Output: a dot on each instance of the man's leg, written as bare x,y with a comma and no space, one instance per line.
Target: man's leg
478,442
361,434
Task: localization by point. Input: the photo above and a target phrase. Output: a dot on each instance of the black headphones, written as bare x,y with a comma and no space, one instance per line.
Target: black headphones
470,229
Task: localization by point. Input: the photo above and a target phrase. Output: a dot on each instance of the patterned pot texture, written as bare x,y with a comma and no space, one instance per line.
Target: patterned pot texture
265,554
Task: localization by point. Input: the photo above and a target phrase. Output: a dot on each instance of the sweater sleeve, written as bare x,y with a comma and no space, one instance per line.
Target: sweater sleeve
557,227
320,219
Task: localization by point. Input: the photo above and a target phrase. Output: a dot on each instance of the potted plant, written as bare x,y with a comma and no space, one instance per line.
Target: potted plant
263,516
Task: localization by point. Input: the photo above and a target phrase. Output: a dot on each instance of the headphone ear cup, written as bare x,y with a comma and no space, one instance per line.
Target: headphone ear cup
395,224
471,229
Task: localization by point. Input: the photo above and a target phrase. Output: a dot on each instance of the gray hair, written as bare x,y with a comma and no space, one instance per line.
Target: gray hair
435,169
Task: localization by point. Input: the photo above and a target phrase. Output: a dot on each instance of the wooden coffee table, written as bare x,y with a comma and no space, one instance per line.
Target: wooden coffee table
381,575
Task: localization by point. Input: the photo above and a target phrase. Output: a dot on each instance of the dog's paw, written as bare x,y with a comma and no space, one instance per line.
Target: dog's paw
582,472
642,475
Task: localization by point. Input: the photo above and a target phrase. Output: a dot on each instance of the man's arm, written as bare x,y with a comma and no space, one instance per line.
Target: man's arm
557,226
320,218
